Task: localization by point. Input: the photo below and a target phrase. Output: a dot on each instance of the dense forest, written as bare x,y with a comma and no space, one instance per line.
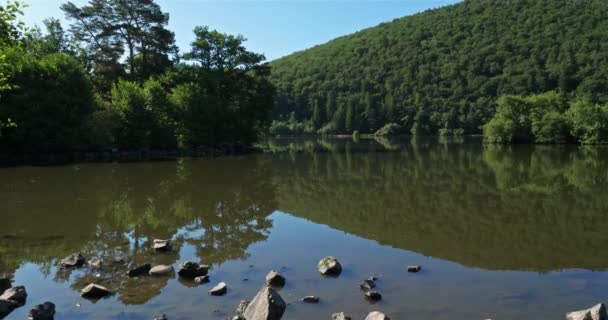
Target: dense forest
443,70
115,80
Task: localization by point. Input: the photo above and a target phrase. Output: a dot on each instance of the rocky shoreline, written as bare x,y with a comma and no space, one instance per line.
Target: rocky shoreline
267,304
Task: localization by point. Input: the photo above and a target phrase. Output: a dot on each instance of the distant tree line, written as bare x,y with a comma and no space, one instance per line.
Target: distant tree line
116,79
441,71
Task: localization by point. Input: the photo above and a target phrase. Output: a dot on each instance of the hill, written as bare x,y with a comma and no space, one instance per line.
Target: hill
442,70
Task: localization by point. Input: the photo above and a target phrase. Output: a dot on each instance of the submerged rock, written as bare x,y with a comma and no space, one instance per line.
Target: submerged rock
219,290
340,316
139,271
95,291
45,311
75,260
311,299
161,270
162,317
266,305
377,315
162,245
597,312
17,295
414,269
367,285
330,266
275,279
192,270
201,280
373,296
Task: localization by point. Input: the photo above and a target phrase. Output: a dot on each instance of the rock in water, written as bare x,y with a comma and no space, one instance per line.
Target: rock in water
373,296
75,260
162,245
219,290
139,271
275,279
5,283
94,291
598,312
311,299
340,316
367,285
266,305
18,295
162,317
414,269
192,270
45,311
95,263
161,270
330,266
240,310
377,315
201,280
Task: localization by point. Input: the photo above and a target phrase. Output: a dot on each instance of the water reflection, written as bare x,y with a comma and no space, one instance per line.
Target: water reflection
516,208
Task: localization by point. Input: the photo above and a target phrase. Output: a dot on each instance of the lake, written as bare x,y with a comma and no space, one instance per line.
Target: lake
515,232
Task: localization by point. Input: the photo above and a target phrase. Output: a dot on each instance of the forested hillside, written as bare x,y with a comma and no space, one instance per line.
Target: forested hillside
442,70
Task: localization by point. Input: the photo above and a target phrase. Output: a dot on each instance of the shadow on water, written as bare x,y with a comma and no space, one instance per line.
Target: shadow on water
498,208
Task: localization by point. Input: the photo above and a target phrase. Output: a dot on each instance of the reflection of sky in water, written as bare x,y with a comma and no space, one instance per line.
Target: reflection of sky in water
444,290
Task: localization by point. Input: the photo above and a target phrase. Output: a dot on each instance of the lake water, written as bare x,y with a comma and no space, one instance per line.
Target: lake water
501,232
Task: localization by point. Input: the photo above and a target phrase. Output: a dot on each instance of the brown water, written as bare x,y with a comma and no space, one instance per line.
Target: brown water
505,233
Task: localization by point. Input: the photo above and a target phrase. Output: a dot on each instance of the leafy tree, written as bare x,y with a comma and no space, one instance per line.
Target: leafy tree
588,121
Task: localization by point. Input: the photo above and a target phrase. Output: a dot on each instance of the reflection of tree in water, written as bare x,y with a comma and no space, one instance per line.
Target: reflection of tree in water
520,207
221,206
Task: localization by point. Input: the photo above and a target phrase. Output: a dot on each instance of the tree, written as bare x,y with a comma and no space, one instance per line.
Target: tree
219,51
105,27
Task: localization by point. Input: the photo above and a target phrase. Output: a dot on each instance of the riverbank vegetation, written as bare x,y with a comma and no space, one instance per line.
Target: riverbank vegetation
116,80
547,118
442,71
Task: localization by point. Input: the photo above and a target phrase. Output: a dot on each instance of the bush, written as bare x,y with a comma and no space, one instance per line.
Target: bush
551,128
498,130
588,121
48,99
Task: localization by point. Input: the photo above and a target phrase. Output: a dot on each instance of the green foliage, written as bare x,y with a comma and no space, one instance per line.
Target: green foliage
390,129
588,121
445,68
49,99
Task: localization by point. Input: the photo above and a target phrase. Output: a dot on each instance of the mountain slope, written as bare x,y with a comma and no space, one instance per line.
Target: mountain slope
444,68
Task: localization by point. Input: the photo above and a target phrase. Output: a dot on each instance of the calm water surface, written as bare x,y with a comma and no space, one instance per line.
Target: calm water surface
501,232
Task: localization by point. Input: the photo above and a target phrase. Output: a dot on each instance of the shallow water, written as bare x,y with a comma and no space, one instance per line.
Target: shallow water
501,232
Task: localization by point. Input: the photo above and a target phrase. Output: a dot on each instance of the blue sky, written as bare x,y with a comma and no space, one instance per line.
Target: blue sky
273,27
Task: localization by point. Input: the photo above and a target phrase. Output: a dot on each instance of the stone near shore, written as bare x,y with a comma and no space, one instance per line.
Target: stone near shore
266,305
191,270
275,279
367,285
201,280
240,309
95,291
142,270
161,270
340,316
373,296
15,294
311,299
75,260
330,266
6,306
95,263
414,269
219,290
162,245
597,312
45,311
377,315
